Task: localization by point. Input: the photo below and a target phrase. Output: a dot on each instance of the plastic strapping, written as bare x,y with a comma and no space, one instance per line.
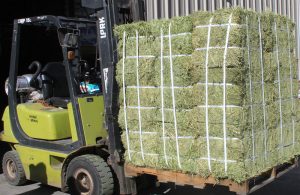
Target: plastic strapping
218,47
291,81
250,88
138,94
124,95
279,85
220,25
224,94
206,96
173,96
263,86
162,92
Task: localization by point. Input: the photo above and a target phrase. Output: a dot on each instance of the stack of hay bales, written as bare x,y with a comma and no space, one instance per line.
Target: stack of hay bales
212,94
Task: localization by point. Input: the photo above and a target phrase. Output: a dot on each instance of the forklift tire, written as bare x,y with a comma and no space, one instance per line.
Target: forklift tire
89,175
13,169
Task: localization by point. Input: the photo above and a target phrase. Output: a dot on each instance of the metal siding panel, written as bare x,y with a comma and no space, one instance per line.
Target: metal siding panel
279,7
284,2
259,8
293,11
187,7
221,4
149,11
242,3
289,8
196,4
167,9
205,3
155,10
176,7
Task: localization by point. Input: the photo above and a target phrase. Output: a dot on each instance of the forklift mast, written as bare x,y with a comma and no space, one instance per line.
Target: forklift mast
108,14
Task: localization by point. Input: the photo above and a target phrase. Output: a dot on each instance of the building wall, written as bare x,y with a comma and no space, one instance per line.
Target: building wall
156,9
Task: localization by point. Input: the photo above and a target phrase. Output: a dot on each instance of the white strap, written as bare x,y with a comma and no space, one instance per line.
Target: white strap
218,47
250,88
124,96
164,36
173,97
263,86
151,56
162,92
206,96
138,95
220,25
279,85
291,81
224,93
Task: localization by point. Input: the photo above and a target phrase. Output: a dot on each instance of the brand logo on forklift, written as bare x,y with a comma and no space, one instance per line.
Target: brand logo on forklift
102,28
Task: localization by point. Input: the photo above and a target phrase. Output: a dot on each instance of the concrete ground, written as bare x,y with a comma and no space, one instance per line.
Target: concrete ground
288,184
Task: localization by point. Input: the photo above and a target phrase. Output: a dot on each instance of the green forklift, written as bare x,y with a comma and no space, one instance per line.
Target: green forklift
60,124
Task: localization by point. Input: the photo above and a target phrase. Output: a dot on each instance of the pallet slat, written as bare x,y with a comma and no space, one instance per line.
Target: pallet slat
247,187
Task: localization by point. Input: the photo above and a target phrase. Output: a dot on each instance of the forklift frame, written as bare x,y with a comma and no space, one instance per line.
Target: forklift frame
47,21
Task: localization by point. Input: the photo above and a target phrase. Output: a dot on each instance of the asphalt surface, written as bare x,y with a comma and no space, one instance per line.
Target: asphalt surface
288,184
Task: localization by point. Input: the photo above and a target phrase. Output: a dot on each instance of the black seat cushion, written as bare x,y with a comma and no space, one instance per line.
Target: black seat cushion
54,80
54,84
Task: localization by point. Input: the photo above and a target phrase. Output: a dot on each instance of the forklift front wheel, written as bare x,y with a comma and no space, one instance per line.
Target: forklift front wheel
89,175
13,169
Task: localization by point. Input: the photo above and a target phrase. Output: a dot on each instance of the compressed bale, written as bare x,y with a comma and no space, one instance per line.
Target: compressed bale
237,37
150,71
153,28
258,135
150,46
186,97
235,58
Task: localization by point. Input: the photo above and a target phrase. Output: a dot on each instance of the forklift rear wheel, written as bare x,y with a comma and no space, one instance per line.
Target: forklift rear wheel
89,175
13,169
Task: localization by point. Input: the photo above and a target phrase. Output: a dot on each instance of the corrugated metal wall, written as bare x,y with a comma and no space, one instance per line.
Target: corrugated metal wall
169,8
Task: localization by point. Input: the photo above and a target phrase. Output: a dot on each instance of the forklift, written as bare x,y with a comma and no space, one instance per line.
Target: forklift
60,125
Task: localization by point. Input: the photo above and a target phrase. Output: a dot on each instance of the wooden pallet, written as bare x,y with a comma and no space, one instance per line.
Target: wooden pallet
245,188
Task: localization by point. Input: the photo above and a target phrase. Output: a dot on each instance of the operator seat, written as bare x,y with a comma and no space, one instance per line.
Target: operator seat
54,84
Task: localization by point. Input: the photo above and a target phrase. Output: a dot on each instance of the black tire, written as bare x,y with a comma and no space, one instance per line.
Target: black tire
13,169
89,175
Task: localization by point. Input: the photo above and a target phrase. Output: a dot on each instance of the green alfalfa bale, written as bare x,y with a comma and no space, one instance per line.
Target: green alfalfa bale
182,70
251,71
149,40
153,28
150,70
151,46
187,97
237,37
238,15
201,18
260,93
187,149
288,88
264,117
262,67
235,58
189,122
239,170
145,67
216,75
